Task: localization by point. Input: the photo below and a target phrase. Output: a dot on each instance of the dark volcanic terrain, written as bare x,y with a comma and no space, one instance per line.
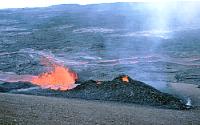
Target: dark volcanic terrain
116,90
102,41
154,45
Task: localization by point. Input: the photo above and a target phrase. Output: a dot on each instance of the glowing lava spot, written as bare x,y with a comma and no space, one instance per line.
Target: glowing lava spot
125,79
60,78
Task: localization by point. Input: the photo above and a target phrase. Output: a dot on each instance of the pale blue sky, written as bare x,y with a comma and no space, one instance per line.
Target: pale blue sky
43,3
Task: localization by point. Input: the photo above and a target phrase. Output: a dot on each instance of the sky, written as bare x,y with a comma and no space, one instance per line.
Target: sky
44,3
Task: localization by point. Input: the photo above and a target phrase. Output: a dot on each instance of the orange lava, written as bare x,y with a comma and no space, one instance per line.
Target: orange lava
125,79
60,78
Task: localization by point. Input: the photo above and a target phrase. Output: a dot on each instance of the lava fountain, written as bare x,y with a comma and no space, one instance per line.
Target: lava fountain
58,78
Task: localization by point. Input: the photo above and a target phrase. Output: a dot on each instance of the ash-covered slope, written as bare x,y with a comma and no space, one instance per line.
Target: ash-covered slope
116,90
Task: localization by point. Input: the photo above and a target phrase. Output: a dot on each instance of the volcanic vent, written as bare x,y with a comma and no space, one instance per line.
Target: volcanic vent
58,77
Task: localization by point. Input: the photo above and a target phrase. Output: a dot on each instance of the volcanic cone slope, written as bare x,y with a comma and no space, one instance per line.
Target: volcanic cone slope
129,91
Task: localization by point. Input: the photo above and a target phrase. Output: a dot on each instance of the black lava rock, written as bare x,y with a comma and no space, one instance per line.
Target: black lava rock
116,90
131,92
7,86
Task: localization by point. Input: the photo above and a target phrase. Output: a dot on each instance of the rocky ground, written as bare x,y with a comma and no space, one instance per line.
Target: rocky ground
30,110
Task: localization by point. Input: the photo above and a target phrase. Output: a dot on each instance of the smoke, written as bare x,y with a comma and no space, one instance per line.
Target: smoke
148,26
167,15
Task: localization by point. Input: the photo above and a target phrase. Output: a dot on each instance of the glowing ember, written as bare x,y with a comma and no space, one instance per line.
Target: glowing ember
125,79
59,78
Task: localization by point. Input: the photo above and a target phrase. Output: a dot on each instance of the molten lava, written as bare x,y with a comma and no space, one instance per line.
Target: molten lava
125,79
60,78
